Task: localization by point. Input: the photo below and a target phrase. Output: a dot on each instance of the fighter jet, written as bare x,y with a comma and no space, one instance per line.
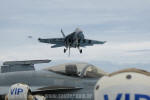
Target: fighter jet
71,81
74,40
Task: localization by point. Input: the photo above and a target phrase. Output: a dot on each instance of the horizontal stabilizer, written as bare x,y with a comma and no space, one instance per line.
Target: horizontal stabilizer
56,46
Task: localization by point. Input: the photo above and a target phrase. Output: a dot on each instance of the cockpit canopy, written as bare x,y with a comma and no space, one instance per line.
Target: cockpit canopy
78,70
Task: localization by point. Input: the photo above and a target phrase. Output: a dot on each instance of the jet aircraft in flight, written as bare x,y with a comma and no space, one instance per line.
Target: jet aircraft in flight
75,39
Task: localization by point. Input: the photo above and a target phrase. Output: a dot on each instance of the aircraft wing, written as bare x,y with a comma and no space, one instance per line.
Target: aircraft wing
27,65
44,90
58,41
88,42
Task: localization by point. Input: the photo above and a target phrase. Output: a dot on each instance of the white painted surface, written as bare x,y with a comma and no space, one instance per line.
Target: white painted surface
135,88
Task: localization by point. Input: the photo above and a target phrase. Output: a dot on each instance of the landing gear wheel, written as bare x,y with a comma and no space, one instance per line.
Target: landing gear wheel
65,50
80,50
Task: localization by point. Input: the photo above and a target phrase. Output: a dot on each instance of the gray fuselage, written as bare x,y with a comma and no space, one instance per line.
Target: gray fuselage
43,78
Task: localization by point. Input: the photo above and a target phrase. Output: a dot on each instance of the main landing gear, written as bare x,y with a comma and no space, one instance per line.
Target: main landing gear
65,50
80,50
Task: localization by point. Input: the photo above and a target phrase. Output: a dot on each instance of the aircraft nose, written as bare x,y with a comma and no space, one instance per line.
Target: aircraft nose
125,85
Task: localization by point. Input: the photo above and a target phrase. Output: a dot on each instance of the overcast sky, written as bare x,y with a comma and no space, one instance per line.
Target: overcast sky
124,24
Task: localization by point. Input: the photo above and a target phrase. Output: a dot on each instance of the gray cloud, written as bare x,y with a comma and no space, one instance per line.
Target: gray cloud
142,51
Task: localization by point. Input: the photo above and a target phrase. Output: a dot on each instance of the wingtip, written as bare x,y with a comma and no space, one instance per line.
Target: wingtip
105,41
39,39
